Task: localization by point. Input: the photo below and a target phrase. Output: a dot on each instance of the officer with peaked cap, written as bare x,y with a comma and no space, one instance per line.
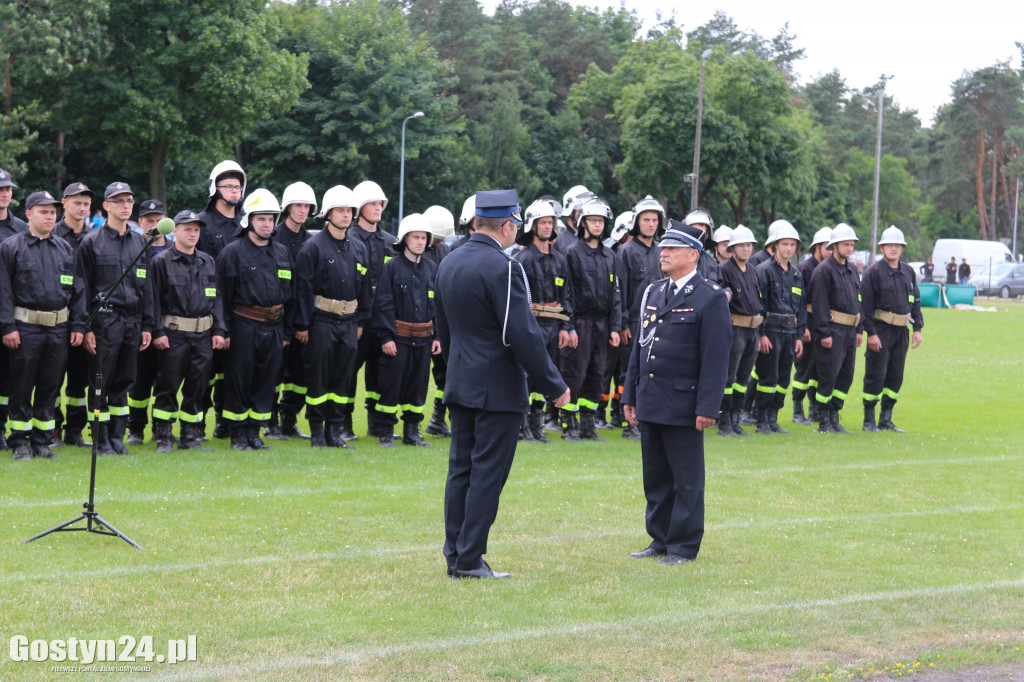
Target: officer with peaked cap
890,300
77,201
492,342
190,326
104,254
10,224
41,310
674,387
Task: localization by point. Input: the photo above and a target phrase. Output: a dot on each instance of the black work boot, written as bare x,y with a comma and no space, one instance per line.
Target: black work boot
773,421
371,419
273,429
814,410
725,423
885,418
869,416
317,438
551,418
240,436
162,434
437,425
762,422
43,452
535,423
631,432
221,428
570,431
346,432
837,427
137,435
100,439
616,420
798,412
825,420
290,427
599,420
23,451
115,434
588,426
189,438
411,435
734,418
255,442
386,435
332,434
525,432
73,436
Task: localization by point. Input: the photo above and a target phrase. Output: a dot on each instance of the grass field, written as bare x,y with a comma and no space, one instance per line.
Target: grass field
825,556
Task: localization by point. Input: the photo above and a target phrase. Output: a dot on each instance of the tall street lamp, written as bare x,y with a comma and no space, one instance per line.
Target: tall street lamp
878,172
401,178
695,186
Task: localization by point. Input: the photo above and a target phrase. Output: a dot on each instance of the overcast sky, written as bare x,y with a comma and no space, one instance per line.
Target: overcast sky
926,46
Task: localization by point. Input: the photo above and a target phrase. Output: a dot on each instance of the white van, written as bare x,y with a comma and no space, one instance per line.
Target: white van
980,255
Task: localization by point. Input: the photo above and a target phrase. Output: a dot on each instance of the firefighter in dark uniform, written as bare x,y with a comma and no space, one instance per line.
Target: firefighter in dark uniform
674,386
221,223
10,225
189,327
332,311
378,243
403,322
547,274
708,264
572,202
71,228
254,277
617,358
890,300
748,413
151,212
640,266
804,379
466,222
298,203
835,316
492,340
41,309
100,260
781,335
442,226
596,304
746,307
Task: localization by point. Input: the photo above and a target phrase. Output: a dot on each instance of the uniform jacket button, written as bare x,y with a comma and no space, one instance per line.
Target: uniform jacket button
650,376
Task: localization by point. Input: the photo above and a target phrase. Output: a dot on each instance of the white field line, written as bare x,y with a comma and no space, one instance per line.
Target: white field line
245,493
559,539
347,656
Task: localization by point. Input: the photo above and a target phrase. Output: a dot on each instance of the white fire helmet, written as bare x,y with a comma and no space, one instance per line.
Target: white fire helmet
842,233
260,201
648,203
721,235
623,224
538,209
822,236
781,229
569,200
741,235
597,207
298,193
223,168
468,211
414,222
700,216
367,191
442,222
892,235
338,196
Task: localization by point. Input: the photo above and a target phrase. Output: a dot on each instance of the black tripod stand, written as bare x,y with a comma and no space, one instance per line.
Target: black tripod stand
94,523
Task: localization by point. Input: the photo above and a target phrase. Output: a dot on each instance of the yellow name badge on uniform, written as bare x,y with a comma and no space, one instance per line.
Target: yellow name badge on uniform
858,297
797,290
430,293
910,298
361,268
140,273
211,291
284,274
67,279
559,282
387,258
611,277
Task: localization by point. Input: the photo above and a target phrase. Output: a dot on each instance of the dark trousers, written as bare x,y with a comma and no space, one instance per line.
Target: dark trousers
834,366
36,366
673,468
615,370
403,383
549,328
741,360
439,369
75,388
367,357
186,365
330,368
804,378
250,370
293,379
583,368
121,337
883,371
480,458
139,397
774,368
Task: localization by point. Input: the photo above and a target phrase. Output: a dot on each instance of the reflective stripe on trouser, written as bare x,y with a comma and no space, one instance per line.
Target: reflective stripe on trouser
803,369
883,370
368,357
121,336
186,364
583,368
36,371
330,368
834,366
293,378
549,330
403,379
775,366
139,397
251,369
75,387
741,360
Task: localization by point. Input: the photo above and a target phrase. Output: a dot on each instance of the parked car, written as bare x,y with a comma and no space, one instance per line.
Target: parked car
1004,280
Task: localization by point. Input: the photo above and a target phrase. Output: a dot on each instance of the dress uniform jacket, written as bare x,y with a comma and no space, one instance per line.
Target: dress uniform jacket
678,366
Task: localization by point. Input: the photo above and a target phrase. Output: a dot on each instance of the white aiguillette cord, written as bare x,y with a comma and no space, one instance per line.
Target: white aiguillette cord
508,300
